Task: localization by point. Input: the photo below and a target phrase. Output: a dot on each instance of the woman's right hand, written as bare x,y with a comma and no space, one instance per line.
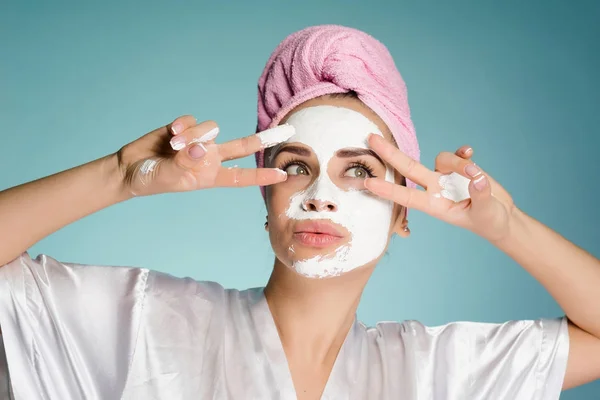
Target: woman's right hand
183,156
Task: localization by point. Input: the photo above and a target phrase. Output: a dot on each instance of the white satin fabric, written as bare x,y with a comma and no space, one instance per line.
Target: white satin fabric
91,332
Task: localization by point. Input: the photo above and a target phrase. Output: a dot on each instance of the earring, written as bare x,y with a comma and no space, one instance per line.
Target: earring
406,229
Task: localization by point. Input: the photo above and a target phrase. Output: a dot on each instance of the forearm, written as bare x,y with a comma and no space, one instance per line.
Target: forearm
570,274
32,211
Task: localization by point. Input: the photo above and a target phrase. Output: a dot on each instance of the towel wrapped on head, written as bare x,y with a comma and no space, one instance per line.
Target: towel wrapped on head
330,59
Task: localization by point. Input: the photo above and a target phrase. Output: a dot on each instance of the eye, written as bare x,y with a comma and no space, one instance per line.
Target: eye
296,169
359,171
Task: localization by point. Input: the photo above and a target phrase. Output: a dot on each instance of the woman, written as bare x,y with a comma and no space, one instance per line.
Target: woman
341,170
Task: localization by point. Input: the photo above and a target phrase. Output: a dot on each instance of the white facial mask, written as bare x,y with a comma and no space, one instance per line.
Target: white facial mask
327,129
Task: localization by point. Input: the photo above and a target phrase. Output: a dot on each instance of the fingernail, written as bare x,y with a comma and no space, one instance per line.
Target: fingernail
279,134
197,151
176,128
178,143
480,183
472,170
375,136
282,172
467,150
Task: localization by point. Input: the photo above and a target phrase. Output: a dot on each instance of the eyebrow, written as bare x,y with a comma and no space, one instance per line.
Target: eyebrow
350,153
299,151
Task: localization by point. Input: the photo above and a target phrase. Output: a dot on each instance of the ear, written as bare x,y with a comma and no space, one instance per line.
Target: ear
267,207
401,224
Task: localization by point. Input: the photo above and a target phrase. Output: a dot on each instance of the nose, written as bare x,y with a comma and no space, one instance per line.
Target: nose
319,205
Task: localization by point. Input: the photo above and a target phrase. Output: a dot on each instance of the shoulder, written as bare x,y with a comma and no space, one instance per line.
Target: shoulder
108,283
198,299
525,357
538,337
167,285
45,275
413,328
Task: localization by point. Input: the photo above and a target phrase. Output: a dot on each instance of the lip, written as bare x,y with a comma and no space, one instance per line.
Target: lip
318,227
317,233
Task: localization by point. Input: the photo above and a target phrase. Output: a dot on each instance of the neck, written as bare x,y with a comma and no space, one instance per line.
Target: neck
313,316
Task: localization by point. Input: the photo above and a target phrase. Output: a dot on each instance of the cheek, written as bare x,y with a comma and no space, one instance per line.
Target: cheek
370,218
350,184
281,194
278,199
370,207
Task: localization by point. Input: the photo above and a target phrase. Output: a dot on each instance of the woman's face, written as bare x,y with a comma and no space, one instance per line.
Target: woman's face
322,222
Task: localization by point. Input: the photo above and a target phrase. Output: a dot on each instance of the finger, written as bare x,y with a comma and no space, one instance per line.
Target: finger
408,167
201,133
496,190
246,146
407,197
482,202
238,177
196,157
447,163
480,188
183,167
464,152
180,124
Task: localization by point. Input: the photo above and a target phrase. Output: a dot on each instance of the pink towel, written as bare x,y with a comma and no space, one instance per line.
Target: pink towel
330,59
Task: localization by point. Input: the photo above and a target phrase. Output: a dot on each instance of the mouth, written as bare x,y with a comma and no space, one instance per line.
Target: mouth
317,233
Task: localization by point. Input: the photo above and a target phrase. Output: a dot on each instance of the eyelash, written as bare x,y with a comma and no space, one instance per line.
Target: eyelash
293,161
354,164
359,164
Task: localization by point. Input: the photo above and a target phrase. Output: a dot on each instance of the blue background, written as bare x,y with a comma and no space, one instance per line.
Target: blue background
518,82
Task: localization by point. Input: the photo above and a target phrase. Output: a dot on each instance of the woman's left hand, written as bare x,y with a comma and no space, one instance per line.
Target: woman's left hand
488,211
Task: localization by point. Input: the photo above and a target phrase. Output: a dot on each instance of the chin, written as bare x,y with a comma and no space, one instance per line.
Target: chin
321,263
301,251
322,257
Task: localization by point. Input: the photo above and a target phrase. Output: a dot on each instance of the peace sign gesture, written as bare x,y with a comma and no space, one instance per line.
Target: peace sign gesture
183,156
485,210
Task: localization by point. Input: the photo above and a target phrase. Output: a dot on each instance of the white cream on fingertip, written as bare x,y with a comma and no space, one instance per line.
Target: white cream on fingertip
179,143
208,136
273,136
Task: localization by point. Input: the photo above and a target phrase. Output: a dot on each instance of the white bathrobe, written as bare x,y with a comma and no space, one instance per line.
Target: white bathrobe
97,332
